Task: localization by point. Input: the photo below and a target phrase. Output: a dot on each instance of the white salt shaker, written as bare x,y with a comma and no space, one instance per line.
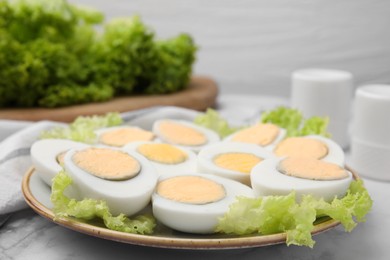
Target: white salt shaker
370,144
325,92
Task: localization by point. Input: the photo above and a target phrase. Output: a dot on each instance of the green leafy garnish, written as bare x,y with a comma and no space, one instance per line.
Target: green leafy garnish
82,129
293,121
88,209
169,70
212,120
287,118
284,117
315,126
52,56
276,214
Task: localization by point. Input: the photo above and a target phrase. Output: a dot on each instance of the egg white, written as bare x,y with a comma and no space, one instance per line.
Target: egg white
188,166
210,135
207,154
44,156
335,154
195,218
267,180
279,137
127,196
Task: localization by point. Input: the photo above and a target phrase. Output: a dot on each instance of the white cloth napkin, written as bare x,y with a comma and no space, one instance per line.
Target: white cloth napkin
14,162
15,150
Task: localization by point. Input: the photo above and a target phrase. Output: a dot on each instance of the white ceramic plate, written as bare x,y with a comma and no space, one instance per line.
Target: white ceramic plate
37,195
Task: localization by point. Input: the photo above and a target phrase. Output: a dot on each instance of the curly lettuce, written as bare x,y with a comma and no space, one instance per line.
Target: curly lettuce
294,122
51,55
170,67
125,45
277,214
315,126
82,129
88,209
288,118
212,120
42,45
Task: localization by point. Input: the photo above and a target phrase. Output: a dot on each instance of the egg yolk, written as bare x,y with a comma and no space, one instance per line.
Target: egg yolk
313,169
162,153
301,147
107,163
191,190
121,136
60,158
181,134
239,162
260,134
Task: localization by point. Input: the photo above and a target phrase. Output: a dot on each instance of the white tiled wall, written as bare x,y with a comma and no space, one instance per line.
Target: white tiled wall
253,45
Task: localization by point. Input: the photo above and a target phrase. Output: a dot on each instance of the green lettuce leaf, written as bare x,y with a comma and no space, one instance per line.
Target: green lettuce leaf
57,53
354,205
288,118
170,67
299,230
315,126
294,122
212,120
87,209
82,129
270,215
276,214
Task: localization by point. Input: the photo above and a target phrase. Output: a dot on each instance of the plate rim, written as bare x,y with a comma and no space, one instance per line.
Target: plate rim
160,241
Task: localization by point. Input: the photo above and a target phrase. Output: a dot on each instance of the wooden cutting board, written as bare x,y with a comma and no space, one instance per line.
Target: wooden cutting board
200,94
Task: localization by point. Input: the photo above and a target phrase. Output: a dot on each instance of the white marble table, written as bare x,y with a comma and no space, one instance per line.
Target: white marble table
27,235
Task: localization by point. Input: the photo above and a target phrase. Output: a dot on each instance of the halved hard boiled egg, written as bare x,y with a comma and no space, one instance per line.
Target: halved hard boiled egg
184,134
47,156
166,158
262,134
280,176
119,136
311,146
194,202
124,180
231,160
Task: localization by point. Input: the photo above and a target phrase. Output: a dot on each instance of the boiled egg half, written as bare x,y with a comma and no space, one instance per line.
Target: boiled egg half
184,134
166,158
280,176
124,180
311,146
47,156
262,134
231,160
194,202
119,136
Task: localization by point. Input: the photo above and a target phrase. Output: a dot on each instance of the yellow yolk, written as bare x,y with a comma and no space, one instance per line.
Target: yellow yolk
240,162
107,163
181,134
191,189
121,136
312,169
60,158
260,134
162,153
301,147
